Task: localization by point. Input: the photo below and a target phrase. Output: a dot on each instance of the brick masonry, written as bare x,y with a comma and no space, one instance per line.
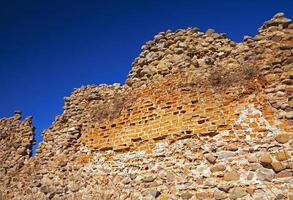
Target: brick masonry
169,111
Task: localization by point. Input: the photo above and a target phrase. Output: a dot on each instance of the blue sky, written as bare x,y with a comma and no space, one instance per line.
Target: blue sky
49,47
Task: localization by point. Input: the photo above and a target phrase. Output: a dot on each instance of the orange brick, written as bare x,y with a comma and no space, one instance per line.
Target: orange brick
224,127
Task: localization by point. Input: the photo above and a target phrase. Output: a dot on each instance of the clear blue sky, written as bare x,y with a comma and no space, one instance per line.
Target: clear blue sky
49,47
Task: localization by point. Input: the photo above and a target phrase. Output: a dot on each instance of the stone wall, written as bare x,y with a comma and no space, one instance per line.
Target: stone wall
16,140
172,110
199,117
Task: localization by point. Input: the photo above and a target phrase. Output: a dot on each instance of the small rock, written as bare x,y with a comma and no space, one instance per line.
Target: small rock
218,194
251,159
250,191
218,168
63,163
290,103
45,189
289,164
284,174
224,187
126,181
289,115
250,176
265,158
290,196
282,155
232,147
73,187
163,196
265,174
279,15
282,138
209,39
259,194
237,192
148,179
231,176
287,82
17,114
179,50
186,195
209,61
254,166
155,193
247,38
204,195
212,159
266,67
182,45
277,166
210,31
280,197
225,154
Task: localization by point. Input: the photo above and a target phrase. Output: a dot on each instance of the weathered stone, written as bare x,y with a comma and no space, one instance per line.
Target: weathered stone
267,67
289,115
290,195
186,195
210,31
250,176
282,138
232,147
282,155
218,168
237,192
231,176
287,82
252,159
149,179
155,193
218,194
278,166
279,15
250,191
182,45
225,154
284,174
290,103
212,159
247,38
280,197
265,158
163,196
225,187
204,195
264,174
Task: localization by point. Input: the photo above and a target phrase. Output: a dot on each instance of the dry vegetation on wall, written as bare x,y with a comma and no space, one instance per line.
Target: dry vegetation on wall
221,78
109,110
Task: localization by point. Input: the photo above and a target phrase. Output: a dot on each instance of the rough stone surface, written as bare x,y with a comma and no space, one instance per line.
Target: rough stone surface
282,138
237,193
231,176
265,158
199,117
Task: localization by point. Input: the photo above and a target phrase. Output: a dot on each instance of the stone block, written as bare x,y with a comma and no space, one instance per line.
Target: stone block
231,176
282,155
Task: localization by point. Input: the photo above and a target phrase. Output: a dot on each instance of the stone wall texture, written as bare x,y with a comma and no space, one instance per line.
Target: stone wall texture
199,117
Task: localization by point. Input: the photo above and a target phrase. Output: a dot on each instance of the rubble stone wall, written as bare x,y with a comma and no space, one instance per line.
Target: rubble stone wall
199,117
16,140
